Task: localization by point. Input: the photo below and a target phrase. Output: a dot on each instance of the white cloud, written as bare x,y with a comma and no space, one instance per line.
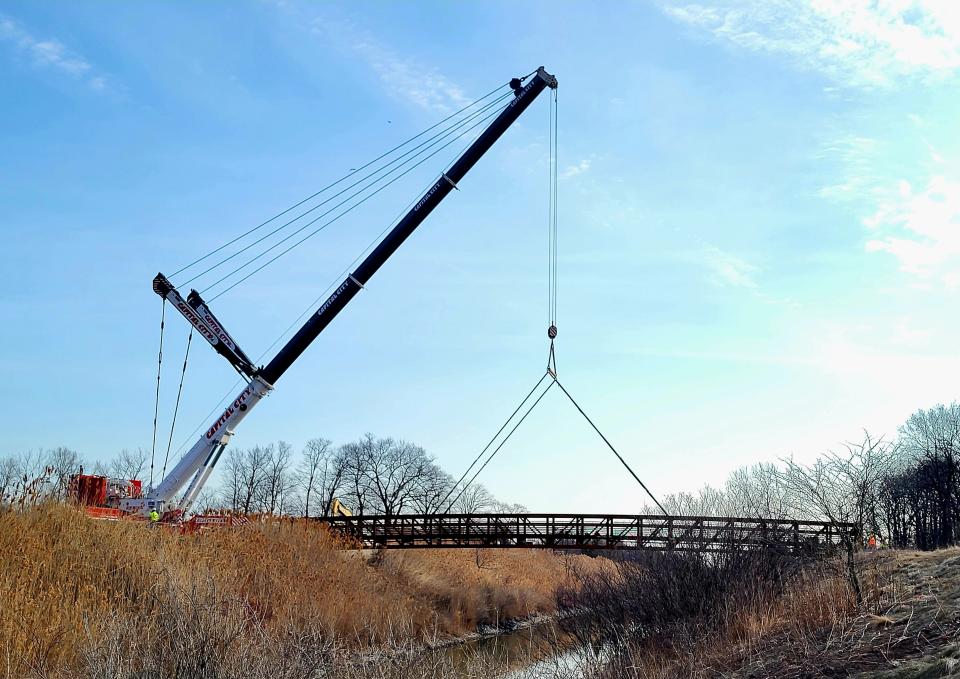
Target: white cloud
405,78
907,333
574,170
857,156
726,269
50,53
862,43
921,229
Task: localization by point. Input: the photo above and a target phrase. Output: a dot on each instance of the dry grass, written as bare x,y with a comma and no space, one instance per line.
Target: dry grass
120,596
907,626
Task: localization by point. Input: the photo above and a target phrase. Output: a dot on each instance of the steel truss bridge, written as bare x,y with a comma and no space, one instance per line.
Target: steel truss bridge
591,532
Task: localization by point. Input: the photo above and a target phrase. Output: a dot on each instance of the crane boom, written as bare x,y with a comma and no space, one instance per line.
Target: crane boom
198,463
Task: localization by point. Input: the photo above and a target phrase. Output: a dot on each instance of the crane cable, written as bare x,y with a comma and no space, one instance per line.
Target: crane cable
176,408
332,184
610,446
551,371
156,403
335,218
486,448
455,129
428,143
503,442
307,310
552,255
552,240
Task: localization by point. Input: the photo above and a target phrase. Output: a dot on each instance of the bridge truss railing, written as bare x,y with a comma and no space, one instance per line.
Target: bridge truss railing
590,531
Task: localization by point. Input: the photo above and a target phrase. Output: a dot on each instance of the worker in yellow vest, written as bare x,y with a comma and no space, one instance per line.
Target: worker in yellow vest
154,516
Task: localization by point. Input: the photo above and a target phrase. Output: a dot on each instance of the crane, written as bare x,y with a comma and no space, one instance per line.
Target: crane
175,494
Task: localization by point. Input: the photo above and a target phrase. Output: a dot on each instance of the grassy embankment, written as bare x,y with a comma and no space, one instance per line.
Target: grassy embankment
756,617
81,597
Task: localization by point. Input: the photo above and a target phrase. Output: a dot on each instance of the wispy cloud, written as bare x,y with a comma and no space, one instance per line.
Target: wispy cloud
50,53
404,77
725,269
857,158
854,42
575,169
921,228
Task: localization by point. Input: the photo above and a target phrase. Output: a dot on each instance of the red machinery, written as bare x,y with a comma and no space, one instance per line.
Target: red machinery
100,496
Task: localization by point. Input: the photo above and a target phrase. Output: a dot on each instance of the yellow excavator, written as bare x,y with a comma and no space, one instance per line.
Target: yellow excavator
337,508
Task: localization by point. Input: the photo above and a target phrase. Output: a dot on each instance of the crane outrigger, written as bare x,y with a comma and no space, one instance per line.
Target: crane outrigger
195,467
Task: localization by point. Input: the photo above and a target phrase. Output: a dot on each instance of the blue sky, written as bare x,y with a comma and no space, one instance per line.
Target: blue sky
759,214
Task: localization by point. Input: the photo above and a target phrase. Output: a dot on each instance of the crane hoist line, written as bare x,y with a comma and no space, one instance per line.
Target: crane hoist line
177,491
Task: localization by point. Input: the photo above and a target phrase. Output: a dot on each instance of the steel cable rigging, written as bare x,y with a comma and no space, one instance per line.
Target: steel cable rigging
176,407
156,404
448,134
336,218
384,175
286,331
455,130
310,307
551,371
334,183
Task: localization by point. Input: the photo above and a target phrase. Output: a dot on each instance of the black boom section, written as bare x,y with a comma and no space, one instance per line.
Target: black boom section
406,226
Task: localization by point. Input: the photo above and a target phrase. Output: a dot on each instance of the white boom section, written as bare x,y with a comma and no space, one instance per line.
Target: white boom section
202,457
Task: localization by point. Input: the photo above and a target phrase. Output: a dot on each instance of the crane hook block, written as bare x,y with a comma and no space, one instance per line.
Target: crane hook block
552,332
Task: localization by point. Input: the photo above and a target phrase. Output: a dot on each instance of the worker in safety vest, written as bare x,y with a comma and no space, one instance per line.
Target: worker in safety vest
154,516
872,542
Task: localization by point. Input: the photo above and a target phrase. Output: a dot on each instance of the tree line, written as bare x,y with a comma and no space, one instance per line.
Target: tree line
373,475
904,489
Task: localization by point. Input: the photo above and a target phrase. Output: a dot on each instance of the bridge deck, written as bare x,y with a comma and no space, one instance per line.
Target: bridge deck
589,531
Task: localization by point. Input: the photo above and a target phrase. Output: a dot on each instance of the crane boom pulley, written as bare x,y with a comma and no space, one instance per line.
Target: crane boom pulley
198,313
196,466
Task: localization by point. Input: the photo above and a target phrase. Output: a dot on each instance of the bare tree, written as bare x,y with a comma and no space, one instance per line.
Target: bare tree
333,481
842,488
9,477
233,479
128,464
393,469
475,499
315,469
432,488
499,507
352,458
382,475
63,463
31,464
276,482
253,468
757,491
924,497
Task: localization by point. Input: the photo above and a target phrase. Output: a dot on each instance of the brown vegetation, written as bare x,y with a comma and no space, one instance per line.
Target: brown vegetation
115,598
760,618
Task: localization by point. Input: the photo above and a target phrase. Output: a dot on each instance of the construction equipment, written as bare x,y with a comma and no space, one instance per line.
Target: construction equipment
194,469
101,495
337,508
